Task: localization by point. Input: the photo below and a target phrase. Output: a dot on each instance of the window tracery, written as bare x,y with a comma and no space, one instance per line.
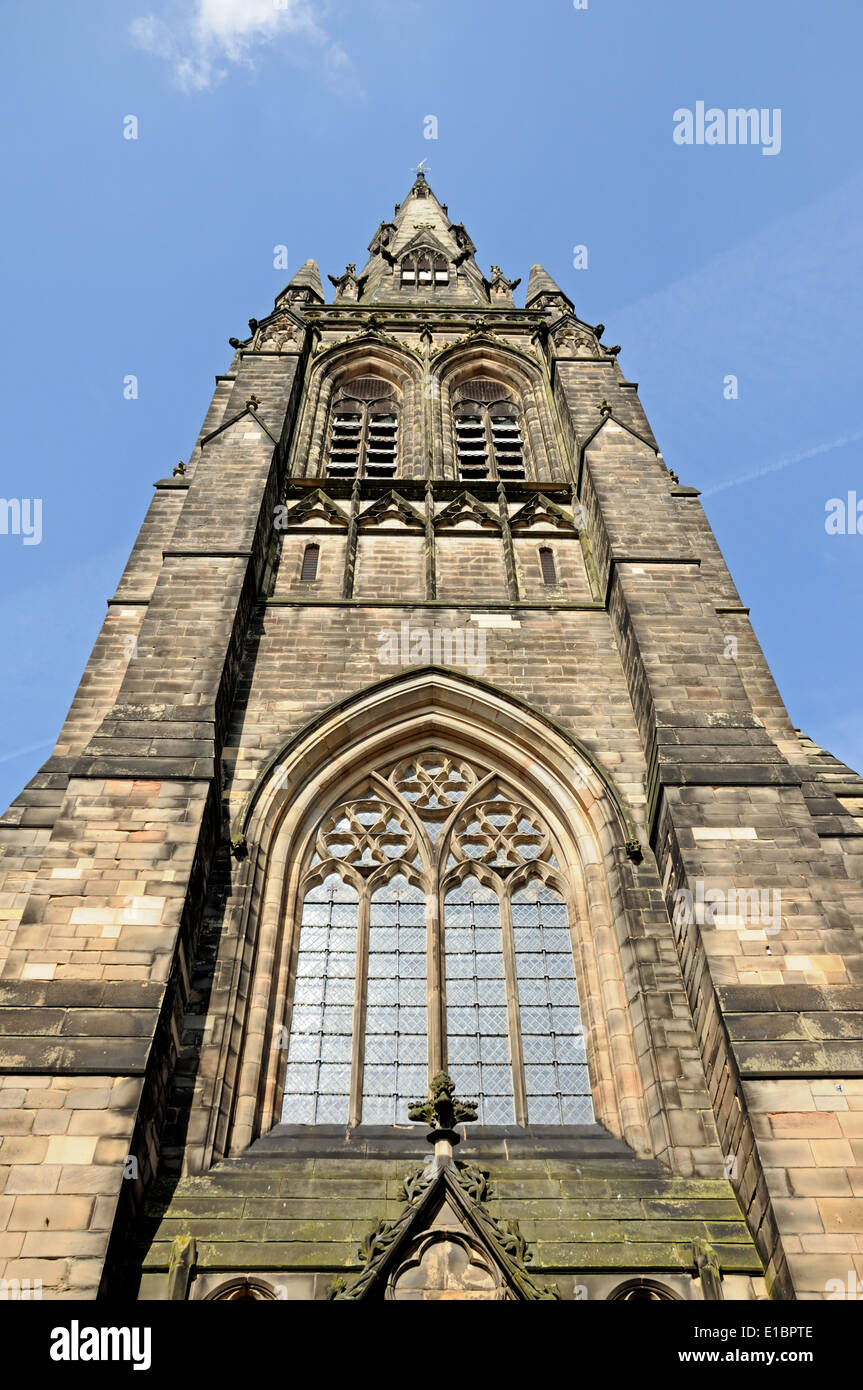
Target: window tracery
434,931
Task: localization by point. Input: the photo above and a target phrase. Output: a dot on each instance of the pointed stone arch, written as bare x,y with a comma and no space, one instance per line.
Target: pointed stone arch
540,515
467,510
592,831
485,355
333,368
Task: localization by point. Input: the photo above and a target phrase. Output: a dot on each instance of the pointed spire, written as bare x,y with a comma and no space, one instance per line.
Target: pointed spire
542,287
305,286
309,276
419,243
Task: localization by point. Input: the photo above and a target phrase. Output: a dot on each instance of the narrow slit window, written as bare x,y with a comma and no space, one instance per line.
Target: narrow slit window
309,572
548,566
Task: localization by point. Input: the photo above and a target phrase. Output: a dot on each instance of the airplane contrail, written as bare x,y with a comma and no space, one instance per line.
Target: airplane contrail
31,748
785,463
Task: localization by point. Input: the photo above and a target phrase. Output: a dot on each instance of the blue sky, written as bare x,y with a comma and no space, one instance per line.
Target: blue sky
261,124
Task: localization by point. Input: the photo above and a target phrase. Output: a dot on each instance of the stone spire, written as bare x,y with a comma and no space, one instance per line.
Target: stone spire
304,287
421,226
542,291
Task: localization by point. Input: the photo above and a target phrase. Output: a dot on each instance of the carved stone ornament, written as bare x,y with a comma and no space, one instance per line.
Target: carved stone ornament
278,335
442,1110
445,1245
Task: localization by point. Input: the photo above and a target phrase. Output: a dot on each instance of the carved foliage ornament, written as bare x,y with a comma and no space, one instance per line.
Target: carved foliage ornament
444,1244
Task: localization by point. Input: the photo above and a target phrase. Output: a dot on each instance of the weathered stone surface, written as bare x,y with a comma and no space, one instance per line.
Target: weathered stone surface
146,950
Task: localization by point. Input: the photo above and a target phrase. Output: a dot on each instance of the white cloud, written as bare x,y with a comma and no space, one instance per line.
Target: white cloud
212,35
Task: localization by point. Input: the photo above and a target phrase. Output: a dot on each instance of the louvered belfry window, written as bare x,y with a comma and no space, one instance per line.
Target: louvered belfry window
364,431
489,442
433,906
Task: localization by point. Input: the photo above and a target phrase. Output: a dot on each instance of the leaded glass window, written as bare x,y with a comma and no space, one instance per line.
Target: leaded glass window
557,1085
318,1076
434,932
476,1018
395,1055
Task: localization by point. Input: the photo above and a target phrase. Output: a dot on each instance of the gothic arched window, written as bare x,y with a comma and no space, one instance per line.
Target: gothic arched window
364,430
489,442
433,931
425,269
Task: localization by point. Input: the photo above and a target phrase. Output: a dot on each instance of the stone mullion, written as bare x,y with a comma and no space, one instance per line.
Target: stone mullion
351,547
316,440
428,408
431,559
355,1109
516,1051
434,965
508,548
535,439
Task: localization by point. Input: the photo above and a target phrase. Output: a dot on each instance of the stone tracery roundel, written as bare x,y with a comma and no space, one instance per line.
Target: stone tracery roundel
501,834
366,832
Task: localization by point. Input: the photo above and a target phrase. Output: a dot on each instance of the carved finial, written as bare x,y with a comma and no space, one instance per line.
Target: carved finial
500,288
442,1111
604,409
252,403
180,469
253,324
599,330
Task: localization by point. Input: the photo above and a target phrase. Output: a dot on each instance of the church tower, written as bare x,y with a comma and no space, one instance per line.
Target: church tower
427,781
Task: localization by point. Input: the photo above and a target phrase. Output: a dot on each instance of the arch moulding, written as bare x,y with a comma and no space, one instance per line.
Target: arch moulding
594,835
